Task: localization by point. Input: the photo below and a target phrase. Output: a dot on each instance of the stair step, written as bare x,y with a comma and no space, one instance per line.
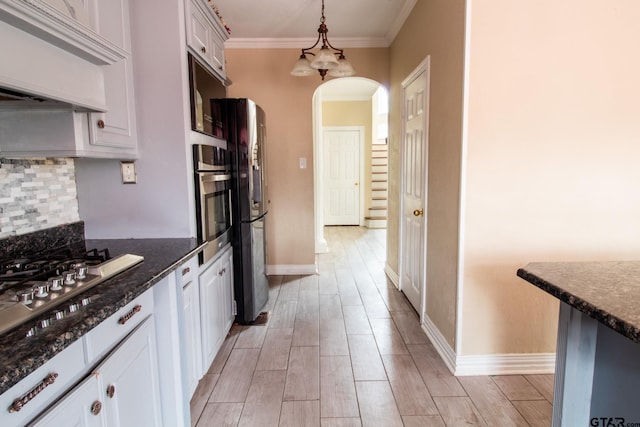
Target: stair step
379,147
376,218
379,154
378,208
379,161
378,198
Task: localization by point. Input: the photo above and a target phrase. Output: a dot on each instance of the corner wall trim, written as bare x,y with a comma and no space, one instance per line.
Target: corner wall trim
291,269
440,343
505,364
392,275
488,364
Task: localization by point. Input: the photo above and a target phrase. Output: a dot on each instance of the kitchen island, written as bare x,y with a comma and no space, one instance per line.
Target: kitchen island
598,352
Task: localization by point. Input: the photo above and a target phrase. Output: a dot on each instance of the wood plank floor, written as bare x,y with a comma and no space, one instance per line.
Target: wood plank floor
344,348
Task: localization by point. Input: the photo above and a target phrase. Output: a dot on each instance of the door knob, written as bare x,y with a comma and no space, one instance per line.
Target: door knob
356,184
418,212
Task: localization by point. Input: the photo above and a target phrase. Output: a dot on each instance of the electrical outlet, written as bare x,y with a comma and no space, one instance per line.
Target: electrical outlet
128,171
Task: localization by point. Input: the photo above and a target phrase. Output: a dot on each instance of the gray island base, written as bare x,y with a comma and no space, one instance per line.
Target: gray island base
598,353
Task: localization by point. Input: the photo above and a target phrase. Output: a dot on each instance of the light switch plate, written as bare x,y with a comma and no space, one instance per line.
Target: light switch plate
128,171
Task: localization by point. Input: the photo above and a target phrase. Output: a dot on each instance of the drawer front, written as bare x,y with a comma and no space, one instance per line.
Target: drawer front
64,369
109,333
187,271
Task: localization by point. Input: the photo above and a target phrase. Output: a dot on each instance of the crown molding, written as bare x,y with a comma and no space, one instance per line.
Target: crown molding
397,24
44,21
299,43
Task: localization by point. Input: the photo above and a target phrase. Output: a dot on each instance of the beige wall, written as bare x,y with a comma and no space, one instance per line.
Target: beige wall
549,157
353,113
263,75
435,28
552,169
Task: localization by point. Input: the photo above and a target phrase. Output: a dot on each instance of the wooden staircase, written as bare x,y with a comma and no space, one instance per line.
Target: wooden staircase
377,217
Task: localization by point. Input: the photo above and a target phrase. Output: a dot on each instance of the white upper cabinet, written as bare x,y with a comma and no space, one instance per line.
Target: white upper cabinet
116,128
206,36
85,48
52,49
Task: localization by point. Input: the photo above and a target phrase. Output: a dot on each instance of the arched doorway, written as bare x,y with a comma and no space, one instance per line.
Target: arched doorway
338,104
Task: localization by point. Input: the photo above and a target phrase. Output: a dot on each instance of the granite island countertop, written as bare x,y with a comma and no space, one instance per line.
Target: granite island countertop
606,291
19,355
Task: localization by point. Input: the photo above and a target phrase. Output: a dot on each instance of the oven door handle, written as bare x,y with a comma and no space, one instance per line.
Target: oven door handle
214,177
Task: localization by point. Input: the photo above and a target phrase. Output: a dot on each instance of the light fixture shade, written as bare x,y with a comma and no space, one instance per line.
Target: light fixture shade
344,69
324,60
302,68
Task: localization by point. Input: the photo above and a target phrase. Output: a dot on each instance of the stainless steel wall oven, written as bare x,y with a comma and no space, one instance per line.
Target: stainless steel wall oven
213,196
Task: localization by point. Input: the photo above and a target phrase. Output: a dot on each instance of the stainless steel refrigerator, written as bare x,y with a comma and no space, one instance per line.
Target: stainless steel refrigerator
244,129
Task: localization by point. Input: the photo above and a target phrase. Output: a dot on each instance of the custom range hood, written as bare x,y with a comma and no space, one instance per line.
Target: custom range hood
66,79
53,55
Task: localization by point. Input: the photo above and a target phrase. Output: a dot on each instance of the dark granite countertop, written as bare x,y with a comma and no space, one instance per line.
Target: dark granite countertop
606,291
19,355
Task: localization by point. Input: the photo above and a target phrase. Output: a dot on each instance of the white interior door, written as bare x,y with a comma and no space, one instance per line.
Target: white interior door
341,176
414,170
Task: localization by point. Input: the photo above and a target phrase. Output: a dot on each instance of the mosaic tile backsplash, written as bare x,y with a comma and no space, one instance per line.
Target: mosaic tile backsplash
36,194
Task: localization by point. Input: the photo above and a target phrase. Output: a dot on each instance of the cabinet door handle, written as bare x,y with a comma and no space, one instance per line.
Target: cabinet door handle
186,270
203,49
19,403
124,319
96,407
111,391
101,124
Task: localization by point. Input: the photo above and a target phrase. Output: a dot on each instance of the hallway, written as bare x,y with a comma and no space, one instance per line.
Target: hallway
344,348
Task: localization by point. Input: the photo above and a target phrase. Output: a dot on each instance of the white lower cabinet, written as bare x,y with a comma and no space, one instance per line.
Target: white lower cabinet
120,373
216,305
229,305
187,277
82,407
130,381
123,390
25,400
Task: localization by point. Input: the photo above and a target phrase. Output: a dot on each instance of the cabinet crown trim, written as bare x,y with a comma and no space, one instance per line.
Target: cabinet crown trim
42,20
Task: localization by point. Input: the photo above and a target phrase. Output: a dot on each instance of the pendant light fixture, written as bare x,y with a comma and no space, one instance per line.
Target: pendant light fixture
324,61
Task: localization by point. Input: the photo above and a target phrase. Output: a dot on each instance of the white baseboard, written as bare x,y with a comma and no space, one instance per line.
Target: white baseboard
291,269
392,275
376,223
440,343
506,364
488,364
321,246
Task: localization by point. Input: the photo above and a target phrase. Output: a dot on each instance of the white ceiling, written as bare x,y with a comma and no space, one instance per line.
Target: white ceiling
294,23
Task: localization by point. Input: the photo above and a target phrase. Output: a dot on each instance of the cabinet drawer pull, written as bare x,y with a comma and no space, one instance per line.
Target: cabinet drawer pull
124,319
101,124
203,49
28,396
111,391
186,270
96,407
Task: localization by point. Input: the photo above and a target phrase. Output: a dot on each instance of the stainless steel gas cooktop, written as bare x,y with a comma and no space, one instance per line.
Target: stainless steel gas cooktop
32,285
